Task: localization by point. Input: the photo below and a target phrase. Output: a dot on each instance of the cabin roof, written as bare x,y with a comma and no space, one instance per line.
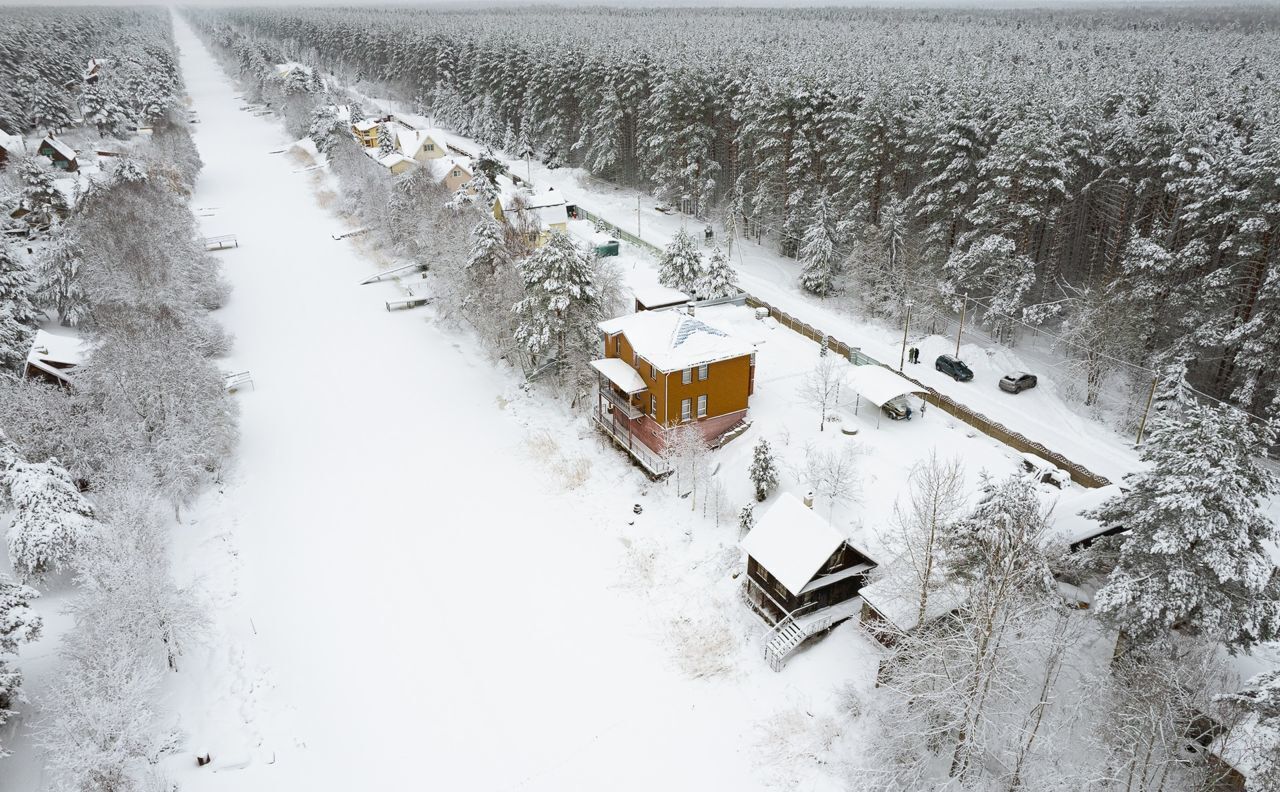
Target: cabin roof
1069,525
10,142
896,599
879,385
659,296
64,151
393,159
792,542
673,340
54,353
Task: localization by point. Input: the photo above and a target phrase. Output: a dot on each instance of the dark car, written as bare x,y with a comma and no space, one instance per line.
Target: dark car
1017,382
953,367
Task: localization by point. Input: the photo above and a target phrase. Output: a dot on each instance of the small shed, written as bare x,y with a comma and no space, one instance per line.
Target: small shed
604,245
885,389
60,154
654,297
53,356
396,162
798,562
1070,524
891,605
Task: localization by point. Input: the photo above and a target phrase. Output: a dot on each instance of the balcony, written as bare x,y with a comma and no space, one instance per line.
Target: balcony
620,404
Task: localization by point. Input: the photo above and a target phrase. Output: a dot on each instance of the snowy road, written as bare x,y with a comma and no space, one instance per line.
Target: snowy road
400,604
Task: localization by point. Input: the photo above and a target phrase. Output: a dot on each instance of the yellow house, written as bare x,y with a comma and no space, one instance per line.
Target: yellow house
366,132
396,163
453,173
541,212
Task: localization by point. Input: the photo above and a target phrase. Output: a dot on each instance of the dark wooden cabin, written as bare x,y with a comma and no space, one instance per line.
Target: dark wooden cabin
60,154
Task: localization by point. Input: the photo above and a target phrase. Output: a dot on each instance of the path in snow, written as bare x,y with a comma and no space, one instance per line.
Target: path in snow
405,606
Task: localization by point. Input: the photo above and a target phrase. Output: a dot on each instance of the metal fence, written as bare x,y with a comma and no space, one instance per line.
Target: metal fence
625,236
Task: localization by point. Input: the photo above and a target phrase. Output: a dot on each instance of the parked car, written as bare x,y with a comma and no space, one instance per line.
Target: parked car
898,409
1017,382
953,367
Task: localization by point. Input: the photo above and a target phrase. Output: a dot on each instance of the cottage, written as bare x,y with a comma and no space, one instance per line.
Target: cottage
803,575
453,172
419,145
60,154
541,212
11,147
665,369
396,162
655,298
53,356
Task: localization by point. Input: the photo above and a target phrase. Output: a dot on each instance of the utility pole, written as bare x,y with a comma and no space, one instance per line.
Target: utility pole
528,168
1150,398
963,306
905,325
637,217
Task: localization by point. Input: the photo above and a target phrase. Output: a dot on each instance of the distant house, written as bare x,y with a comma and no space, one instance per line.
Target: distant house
11,146
540,212
665,369
418,145
366,132
803,575
396,162
53,356
93,70
453,172
60,154
655,298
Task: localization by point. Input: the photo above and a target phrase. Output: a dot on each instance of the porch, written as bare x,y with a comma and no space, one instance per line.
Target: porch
623,420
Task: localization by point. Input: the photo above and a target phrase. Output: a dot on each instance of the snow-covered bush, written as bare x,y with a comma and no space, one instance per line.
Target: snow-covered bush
51,522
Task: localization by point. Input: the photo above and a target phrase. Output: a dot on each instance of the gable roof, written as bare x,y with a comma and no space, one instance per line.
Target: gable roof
411,141
441,166
792,542
894,599
1069,525
10,142
672,339
64,151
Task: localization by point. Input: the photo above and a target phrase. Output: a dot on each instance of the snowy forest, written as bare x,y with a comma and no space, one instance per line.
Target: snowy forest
91,474
1110,175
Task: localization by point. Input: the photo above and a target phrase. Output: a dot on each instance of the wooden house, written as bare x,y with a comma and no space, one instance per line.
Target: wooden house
53,355
453,172
418,145
539,212
803,575
60,154
11,147
366,132
395,162
666,369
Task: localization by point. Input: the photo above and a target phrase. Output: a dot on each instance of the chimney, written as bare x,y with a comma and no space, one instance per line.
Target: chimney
808,499
689,306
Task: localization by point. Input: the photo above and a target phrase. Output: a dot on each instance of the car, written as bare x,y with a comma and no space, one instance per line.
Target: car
1017,382
898,409
953,367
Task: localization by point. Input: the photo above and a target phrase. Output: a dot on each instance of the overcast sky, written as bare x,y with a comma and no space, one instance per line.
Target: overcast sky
479,3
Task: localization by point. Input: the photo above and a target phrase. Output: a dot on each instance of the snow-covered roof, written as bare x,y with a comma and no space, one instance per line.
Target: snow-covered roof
411,141
879,385
897,599
660,296
285,69
441,166
532,200
792,542
620,374
393,159
62,148
10,142
54,353
365,125
672,340
1069,525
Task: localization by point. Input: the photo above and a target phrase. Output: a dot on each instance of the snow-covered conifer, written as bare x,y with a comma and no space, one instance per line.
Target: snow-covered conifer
1195,556
51,518
59,287
558,313
764,469
818,250
18,317
681,265
719,279
18,625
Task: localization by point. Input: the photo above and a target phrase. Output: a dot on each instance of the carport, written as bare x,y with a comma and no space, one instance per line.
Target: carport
880,386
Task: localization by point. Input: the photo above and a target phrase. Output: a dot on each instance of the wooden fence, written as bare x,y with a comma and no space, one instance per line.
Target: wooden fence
1079,473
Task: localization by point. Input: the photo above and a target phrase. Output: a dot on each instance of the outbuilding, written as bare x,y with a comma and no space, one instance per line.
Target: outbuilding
653,298
885,389
53,355
60,154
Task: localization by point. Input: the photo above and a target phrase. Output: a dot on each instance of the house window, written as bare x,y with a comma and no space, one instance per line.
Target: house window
702,372
635,360
617,345
653,372
653,405
686,376
686,409
702,406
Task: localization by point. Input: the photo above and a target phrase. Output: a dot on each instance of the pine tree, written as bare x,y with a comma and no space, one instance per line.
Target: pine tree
18,317
681,266
1195,556
386,140
764,470
43,201
746,520
50,109
18,624
326,126
60,288
993,270
51,518
558,314
719,280
818,250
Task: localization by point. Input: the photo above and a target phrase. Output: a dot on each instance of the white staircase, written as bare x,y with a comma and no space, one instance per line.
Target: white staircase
782,640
